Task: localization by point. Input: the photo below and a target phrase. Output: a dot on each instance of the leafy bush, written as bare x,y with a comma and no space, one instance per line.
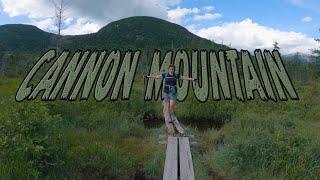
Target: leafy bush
25,132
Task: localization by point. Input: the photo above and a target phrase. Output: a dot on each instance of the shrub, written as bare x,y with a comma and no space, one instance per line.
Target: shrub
25,130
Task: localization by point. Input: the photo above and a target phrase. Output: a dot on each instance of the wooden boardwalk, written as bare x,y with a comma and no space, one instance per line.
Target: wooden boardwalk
172,122
178,163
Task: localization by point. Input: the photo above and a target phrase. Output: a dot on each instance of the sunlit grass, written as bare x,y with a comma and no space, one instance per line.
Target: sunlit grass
89,139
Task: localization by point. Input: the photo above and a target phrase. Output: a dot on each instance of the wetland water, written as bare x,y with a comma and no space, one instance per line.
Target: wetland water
201,124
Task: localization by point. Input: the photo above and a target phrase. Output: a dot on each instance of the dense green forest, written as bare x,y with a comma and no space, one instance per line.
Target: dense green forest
119,139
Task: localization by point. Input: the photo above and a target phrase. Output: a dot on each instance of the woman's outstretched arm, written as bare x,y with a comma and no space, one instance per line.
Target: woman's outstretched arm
155,77
187,78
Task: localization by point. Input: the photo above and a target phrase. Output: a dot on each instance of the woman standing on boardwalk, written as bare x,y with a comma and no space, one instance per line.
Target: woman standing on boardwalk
170,86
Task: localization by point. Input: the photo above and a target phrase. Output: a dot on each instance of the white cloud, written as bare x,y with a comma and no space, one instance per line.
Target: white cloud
207,16
45,23
249,35
69,20
306,19
38,12
82,17
29,8
172,2
82,26
185,16
208,8
111,10
99,12
178,14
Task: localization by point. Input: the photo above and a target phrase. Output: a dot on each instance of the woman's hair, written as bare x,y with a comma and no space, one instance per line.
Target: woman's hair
172,65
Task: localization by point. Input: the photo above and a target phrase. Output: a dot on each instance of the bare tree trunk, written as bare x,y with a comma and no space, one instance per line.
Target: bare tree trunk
59,6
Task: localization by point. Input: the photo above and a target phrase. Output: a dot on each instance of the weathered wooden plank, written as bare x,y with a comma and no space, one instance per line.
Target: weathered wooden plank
177,124
186,165
171,163
167,118
170,128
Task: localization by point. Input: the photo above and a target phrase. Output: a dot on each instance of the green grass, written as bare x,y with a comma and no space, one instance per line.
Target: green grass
267,140
89,139
81,139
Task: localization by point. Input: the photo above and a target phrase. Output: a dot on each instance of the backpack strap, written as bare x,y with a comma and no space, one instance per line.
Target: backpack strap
166,75
175,76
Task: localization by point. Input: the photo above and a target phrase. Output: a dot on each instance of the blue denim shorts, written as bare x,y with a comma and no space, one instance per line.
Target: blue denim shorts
172,95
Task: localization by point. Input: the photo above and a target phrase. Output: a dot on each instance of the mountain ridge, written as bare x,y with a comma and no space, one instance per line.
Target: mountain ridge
142,32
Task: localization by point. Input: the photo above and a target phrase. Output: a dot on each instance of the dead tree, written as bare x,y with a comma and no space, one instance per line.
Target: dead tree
59,7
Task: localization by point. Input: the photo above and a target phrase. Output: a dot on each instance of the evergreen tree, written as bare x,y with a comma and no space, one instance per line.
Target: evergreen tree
315,61
316,53
2,59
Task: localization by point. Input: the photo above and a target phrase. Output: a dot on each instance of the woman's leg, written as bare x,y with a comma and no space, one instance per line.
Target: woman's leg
167,104
171,105
166,101
167,107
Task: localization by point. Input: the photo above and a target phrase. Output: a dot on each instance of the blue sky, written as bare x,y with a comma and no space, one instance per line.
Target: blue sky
284,15
243,24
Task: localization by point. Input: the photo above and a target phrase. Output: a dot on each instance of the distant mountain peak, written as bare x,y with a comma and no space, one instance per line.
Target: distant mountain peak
138,32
